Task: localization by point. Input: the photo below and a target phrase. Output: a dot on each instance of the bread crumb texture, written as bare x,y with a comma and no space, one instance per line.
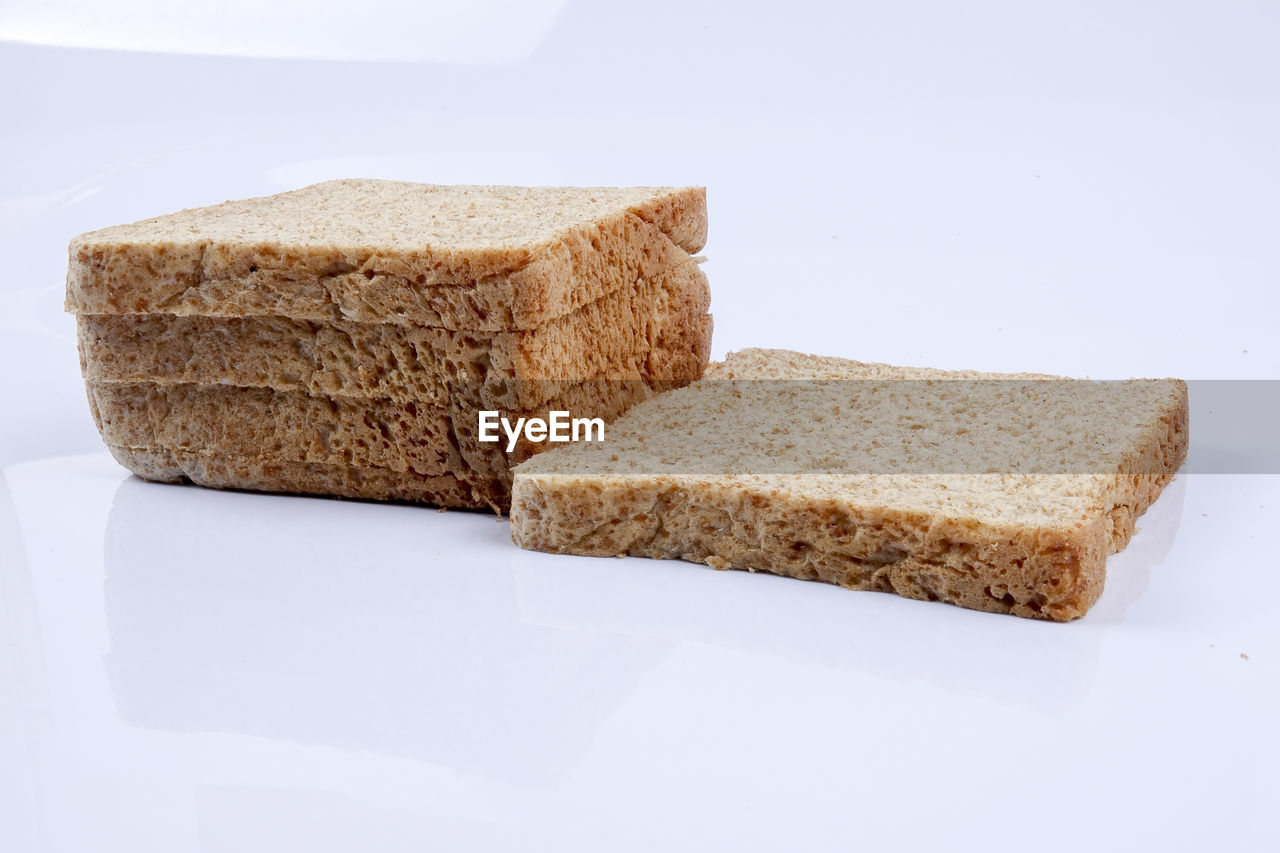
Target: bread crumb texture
997,492
617,335
341,339
470,258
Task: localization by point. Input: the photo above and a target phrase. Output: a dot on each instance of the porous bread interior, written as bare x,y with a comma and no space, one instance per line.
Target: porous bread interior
613,336
471,258
925,427
790,476
195,425
344,256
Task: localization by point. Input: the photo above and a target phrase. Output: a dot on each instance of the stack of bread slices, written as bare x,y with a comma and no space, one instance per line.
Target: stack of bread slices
342,339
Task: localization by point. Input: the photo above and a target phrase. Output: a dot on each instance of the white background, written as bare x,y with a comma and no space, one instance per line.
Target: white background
1086,189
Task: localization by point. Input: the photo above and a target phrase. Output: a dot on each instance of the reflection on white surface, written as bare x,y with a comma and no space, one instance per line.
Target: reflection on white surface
477,31
202,670
490,663
21,686
354,626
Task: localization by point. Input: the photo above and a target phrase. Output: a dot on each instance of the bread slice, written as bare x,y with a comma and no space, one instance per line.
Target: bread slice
468,258
997,492
231,436
612,336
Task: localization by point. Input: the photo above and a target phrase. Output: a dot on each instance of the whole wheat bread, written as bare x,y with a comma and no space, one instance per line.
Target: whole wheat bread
302,478
470,258
222,427
614,336
340,339
998,492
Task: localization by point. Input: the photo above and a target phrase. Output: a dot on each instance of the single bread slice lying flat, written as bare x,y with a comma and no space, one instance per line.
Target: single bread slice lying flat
997,492
459,257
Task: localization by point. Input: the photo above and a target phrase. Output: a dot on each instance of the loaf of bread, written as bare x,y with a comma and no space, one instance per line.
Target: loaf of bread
341,339
996,492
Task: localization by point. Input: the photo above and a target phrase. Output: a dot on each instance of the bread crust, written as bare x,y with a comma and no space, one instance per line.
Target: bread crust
300,478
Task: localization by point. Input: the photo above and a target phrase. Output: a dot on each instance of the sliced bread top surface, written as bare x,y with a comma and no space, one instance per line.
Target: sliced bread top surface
389,216
423,234
1007,449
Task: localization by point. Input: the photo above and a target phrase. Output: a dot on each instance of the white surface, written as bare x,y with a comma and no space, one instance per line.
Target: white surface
474,32
204,671
1091,191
